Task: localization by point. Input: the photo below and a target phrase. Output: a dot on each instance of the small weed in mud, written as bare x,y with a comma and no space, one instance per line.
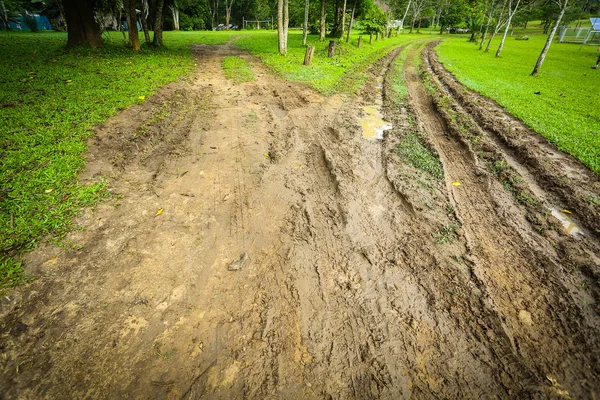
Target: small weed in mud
237,68
399,84
594,200
419,157
445,235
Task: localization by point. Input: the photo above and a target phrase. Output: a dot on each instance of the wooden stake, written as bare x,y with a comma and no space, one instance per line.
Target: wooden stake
359,41
310,50
371,38
331,49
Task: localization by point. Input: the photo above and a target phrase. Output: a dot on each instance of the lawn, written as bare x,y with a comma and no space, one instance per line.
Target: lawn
565,110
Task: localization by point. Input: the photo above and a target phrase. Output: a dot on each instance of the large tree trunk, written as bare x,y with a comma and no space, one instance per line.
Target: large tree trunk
282,25
305,28
323,16
158,23
511,14
134,37
81,25
144,19
343,19
350,25
540,60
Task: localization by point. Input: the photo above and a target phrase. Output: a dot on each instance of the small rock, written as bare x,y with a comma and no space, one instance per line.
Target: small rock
239,263
525,317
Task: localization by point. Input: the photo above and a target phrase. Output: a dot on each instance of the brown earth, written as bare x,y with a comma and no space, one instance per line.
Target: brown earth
366,277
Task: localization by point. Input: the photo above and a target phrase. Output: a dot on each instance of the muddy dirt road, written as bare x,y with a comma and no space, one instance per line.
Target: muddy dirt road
366,277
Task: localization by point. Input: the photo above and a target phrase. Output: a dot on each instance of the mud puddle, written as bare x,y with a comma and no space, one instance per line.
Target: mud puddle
373,123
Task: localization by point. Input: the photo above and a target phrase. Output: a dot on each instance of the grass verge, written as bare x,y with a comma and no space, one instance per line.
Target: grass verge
560,103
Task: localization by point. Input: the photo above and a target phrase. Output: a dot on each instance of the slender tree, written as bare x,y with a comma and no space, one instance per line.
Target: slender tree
351,21
401,27
4,16
144,20
511,13
499,24
158,23
492,5
282,25
228,6
305,26
134,38
175,11
82,27
562,4
343,20
323,16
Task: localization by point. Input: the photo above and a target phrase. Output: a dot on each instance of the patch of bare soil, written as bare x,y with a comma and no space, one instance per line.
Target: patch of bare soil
258,246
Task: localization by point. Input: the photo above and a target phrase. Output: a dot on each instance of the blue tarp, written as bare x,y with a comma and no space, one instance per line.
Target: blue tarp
42,23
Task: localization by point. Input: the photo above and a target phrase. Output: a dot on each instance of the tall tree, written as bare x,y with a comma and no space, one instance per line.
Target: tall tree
144,20
417,8
323,16
343,26
499,24
305,26
175,11
511,14
351,21
228,6
134,38
491,10
4,15
283,20
158,23
401,27
562,5
82,28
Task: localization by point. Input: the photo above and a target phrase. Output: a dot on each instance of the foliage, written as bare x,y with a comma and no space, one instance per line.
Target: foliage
565,110
374,20
419,157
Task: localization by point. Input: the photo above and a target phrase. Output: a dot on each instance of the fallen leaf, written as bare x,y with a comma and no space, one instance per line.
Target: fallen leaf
65,197
267,155
48,190
23,79
141,97
159,212
457,183
566,212
68,81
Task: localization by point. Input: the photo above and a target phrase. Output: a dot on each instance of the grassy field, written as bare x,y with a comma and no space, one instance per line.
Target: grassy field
566,109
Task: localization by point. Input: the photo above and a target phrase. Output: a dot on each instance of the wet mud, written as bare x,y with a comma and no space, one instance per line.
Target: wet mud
260,245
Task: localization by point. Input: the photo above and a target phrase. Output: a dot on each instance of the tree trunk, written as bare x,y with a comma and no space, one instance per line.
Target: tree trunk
175,12
487,26
158,24
4,15
359,41
371,38
282,25
310,50
323,16
404,17
82,27
419,27
305,27
511,14
350,25
540,60
343,20
331,49
412,25
144,19
134,37
227,15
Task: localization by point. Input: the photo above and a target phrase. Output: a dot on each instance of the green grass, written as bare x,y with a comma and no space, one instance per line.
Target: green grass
345,72
399,83
419,157
51,98
566,112
237,68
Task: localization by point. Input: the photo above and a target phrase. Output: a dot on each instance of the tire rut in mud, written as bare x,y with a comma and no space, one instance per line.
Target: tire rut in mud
526,282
